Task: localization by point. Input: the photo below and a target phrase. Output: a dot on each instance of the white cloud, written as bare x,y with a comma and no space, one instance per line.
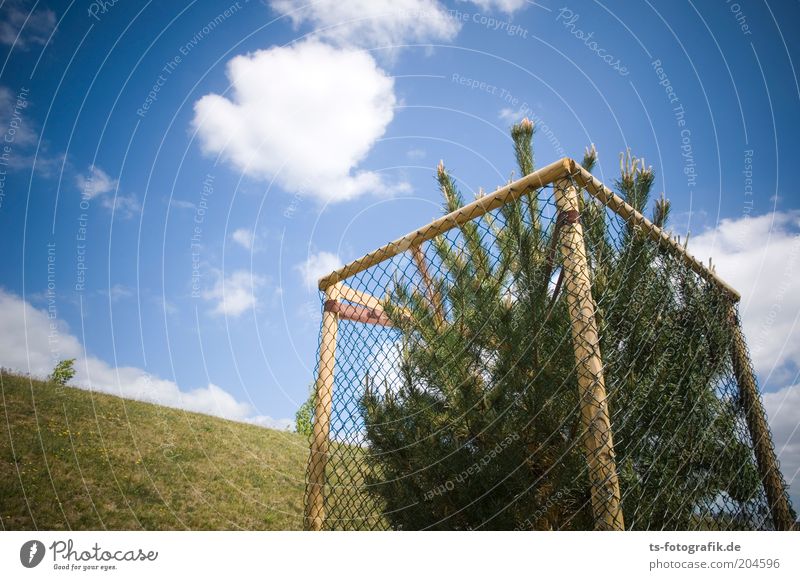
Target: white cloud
42,163
164,305
783,411
18,130
316,266
760,257
14,121
122,206
97,182
386,366
267,421
31,342
22,28
507,6
306,115
511,115
416,154
372,23
119,292
243,237
181,204
236,293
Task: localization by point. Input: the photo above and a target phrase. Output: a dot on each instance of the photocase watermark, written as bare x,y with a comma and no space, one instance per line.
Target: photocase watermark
183,51
740,16
196,239
53,334
530,522
747,172
477,84
94,558
82,232
297,198
31,553
568,18
457,17
490,23
679,113
100,8
66,557
473,469
293,205
10,135
515,108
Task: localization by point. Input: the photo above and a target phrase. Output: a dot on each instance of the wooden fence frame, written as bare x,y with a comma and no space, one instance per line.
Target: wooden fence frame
598,442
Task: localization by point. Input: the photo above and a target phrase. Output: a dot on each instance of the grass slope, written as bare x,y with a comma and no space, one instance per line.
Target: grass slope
74,459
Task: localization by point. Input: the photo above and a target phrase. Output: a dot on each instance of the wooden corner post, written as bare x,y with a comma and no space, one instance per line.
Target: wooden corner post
320,438
595,420
756,420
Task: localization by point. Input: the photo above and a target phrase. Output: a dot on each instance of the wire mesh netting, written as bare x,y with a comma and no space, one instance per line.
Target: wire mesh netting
545,366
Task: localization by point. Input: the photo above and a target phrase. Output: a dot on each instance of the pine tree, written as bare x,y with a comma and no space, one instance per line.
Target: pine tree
484,430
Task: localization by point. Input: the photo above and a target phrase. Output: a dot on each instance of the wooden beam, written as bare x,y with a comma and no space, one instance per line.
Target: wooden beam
320,437
513,191
757,425
367,300
358,313
477,208
359,297
629,214
595,417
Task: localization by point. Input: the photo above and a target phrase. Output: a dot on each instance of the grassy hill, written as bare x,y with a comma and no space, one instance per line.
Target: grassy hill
74,459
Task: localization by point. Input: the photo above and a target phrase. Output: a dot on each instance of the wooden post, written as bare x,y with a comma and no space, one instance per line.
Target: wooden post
315,491
595,420
756,420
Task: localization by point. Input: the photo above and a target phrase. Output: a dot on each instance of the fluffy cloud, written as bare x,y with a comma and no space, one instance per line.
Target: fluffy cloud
511,115
760,257
234,294
13,115
22,28
267,421
19,128
783,410
32,342
119,292
372,23
243,237
96,182
316,266
123,206
415,154
305,115
385,367
181,204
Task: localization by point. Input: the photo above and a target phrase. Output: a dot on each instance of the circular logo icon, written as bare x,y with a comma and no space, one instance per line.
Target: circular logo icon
31,553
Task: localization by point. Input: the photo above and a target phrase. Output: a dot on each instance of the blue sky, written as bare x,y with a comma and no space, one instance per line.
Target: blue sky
176,175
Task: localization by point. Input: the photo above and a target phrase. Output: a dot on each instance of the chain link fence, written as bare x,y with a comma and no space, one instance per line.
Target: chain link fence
544,358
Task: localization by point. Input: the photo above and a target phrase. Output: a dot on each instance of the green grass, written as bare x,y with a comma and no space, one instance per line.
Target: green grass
74,459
